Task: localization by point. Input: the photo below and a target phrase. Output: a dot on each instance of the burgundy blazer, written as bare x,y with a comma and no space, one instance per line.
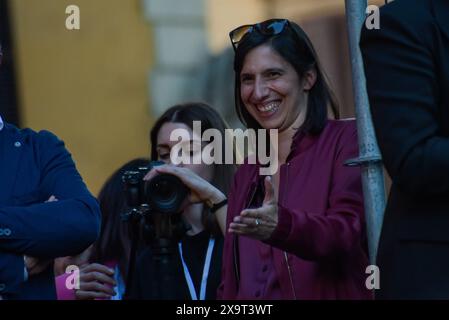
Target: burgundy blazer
320,249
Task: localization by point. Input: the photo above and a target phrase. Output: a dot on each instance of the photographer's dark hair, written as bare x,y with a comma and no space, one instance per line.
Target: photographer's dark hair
293,45
210,118
114,242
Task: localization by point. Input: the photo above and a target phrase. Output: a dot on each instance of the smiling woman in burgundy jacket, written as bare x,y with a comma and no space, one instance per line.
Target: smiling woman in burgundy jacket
300,233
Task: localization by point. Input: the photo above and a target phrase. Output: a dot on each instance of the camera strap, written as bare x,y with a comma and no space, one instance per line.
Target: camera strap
206,268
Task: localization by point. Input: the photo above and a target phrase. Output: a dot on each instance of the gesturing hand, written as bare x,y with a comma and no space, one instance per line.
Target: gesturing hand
258,223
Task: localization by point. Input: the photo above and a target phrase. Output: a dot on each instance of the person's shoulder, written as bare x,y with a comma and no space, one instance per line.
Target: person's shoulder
46,145
49,142
32,136
414,13
402,20
340,132
46,136
345,125
407,9
25,133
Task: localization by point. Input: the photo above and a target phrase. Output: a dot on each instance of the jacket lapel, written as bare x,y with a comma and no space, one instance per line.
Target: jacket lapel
11,149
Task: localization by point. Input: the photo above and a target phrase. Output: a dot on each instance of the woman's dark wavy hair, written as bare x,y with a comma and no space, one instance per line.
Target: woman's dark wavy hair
210,118
114,242
293,45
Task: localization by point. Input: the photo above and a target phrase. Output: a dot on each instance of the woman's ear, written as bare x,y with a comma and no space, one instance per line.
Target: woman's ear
309,79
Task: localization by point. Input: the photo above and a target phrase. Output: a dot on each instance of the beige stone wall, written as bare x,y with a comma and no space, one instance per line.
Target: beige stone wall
224,15
87,86
306,9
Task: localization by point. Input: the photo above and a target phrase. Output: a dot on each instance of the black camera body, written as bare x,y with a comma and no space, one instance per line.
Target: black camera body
164,193
155,207
155,218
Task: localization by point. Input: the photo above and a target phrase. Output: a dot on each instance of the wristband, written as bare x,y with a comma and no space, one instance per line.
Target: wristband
217,206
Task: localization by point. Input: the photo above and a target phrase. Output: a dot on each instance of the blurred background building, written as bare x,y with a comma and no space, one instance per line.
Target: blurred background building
101,87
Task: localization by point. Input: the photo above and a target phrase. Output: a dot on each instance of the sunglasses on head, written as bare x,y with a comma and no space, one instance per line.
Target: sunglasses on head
269,28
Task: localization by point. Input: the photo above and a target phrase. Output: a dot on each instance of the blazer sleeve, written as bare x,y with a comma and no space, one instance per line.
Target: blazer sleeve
61,228
337,231
402,82
227,258
12,272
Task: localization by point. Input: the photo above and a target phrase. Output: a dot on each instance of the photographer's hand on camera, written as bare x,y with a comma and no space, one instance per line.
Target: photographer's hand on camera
200,189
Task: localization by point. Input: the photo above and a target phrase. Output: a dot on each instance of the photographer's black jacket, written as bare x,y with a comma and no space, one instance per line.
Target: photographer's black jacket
149,283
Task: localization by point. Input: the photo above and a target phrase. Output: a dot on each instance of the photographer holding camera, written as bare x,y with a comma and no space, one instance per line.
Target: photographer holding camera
104,265
193,270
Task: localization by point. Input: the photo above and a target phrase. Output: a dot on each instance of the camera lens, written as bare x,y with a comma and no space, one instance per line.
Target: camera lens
163,189
166,193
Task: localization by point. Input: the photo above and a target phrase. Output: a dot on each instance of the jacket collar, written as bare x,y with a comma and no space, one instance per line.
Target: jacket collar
301,142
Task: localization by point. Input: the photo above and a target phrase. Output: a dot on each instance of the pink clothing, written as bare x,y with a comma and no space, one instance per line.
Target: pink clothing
62,290
318,250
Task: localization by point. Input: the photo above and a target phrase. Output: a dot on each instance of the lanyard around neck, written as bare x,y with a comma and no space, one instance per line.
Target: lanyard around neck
206,268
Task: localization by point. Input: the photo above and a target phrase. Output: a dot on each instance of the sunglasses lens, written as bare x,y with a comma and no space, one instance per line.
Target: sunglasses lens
238,34
273,27
269,27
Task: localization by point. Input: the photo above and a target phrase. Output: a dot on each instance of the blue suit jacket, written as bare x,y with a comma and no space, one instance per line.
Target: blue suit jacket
33,167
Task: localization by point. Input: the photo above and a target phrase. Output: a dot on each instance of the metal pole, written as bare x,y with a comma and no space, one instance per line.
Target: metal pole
369,159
